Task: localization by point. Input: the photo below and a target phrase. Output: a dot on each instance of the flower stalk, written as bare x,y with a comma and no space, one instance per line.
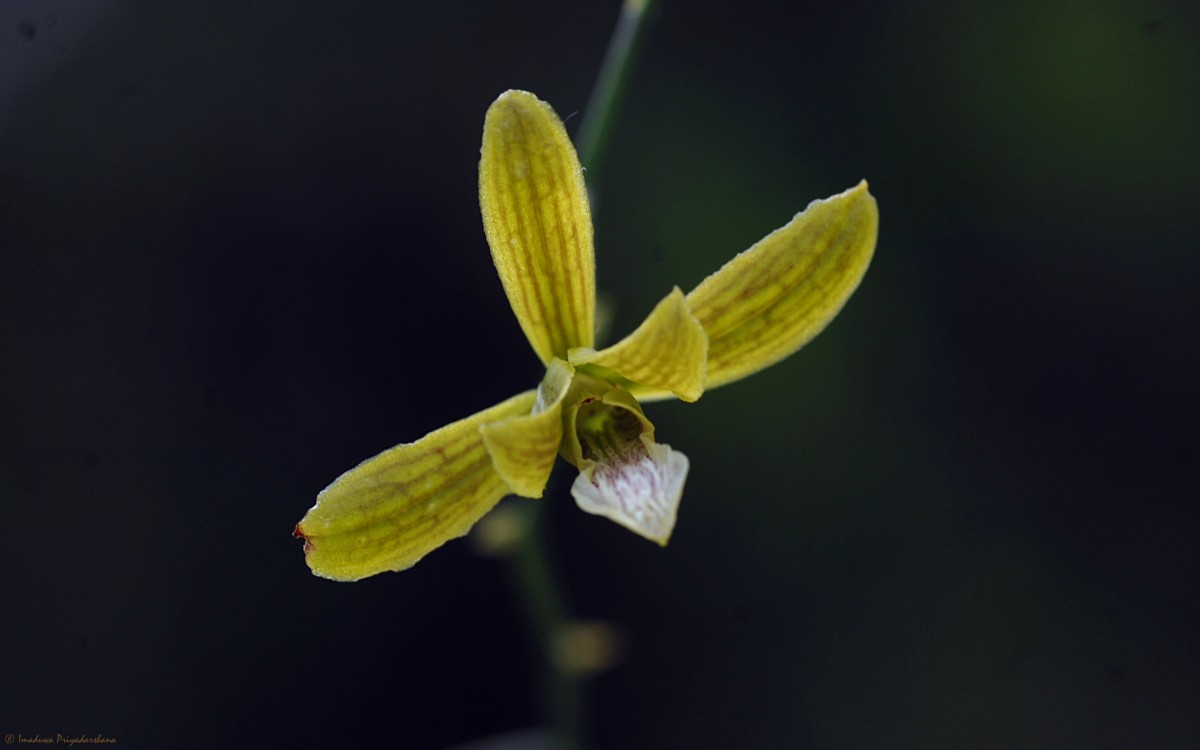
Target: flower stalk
602,106
536,580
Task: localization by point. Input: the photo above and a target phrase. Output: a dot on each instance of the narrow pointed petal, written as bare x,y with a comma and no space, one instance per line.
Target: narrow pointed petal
523,448
775,297
391,510
538,223
639,490
668,351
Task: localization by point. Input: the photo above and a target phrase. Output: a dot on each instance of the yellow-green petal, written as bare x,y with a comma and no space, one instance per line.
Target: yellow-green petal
538,223
391,510
524,448
668,351
775,297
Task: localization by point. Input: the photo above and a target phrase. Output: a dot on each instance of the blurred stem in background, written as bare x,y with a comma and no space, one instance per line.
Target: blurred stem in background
571,649
537,582
602,106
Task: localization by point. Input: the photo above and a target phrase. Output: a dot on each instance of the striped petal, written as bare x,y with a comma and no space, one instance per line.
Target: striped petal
524,448
538,223
391,510
775,297
667,352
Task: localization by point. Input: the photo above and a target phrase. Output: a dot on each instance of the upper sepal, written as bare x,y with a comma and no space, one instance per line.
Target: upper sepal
538,223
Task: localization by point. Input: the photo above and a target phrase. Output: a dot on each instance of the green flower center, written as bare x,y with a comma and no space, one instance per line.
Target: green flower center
606,432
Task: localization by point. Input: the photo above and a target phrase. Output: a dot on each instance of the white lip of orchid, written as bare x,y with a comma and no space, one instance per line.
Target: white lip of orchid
639,487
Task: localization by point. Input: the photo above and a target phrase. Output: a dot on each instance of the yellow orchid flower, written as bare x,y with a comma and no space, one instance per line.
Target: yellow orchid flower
391,510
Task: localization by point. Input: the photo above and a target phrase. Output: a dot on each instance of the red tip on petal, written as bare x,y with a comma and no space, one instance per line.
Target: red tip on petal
299,534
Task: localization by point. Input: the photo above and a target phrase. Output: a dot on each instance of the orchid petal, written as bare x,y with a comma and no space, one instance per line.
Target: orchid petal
523,448
623,474
775,297
640,490
391,510
668,351
538,223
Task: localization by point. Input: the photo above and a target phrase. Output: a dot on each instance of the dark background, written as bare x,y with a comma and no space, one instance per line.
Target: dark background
240,251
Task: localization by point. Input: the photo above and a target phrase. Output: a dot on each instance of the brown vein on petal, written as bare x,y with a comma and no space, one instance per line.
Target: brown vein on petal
555,241
473,490
780,267
528,446
521,254
571,264
530,450
573,244
511,270
418,512
555,245
549,322
759,334
780,270
401,487
536,170
466,488
797,304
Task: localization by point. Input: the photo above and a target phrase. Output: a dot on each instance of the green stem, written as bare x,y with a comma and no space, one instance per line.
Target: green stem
601,109
545,603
